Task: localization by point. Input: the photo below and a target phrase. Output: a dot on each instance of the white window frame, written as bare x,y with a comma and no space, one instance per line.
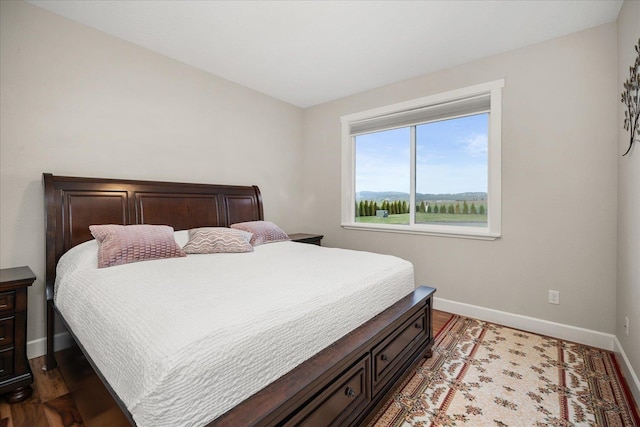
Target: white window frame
493,230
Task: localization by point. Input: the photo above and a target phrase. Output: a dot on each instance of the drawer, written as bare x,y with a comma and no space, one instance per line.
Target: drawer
6,331
6,362
347,393
7,301
388,355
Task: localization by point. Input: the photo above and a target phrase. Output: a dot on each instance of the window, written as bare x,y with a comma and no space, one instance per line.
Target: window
430,165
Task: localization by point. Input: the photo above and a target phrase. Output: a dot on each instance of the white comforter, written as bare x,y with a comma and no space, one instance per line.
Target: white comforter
183,340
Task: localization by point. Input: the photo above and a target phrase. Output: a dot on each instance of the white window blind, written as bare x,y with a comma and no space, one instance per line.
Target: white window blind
445,110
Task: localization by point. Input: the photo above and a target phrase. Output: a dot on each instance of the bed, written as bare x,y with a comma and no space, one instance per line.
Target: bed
341,382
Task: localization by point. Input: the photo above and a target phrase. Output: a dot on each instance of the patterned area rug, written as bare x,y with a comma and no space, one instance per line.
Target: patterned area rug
482,374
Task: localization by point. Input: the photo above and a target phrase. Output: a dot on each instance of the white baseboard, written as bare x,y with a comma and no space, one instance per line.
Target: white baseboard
627,371
38,347
526,323
544,327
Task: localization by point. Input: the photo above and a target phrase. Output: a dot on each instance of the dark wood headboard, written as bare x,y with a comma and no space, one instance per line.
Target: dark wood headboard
73,204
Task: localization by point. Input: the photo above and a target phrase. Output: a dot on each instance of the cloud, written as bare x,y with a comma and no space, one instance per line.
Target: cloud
476,145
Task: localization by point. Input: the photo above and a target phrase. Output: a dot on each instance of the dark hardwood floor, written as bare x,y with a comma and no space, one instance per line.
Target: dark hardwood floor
76,397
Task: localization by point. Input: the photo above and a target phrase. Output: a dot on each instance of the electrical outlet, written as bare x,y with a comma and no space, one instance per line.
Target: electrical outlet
626,326
554,297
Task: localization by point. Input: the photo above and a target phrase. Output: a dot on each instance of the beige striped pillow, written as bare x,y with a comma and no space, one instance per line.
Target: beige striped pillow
215,240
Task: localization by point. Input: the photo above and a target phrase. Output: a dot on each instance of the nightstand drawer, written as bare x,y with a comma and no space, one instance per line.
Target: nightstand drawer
15,372
7,301
6,362
6,331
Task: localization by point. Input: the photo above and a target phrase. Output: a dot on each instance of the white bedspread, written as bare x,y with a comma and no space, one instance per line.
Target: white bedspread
183,340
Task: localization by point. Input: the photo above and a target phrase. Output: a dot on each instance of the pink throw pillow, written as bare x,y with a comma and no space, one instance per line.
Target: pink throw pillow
263,232
123,244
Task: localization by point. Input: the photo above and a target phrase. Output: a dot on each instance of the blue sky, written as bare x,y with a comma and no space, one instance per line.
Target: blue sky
451,157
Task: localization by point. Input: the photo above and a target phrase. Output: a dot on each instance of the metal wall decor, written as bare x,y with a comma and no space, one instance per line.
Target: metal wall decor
631,100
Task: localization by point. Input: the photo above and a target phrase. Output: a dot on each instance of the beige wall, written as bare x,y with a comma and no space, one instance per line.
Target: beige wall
628,290
559,128
76,101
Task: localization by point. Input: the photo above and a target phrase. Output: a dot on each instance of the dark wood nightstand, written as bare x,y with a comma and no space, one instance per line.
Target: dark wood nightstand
313,239
15,372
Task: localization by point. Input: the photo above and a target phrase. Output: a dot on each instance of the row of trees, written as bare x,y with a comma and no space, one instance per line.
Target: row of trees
369,208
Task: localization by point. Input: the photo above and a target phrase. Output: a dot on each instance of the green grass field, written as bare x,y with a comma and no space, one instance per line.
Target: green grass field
427,218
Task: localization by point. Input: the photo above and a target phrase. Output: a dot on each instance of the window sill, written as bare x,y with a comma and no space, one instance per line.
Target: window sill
460,232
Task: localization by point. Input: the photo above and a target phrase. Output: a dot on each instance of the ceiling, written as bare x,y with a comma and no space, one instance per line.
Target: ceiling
310,52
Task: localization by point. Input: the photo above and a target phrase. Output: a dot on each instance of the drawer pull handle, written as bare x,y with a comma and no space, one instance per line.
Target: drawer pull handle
351,393
417,325
384,357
